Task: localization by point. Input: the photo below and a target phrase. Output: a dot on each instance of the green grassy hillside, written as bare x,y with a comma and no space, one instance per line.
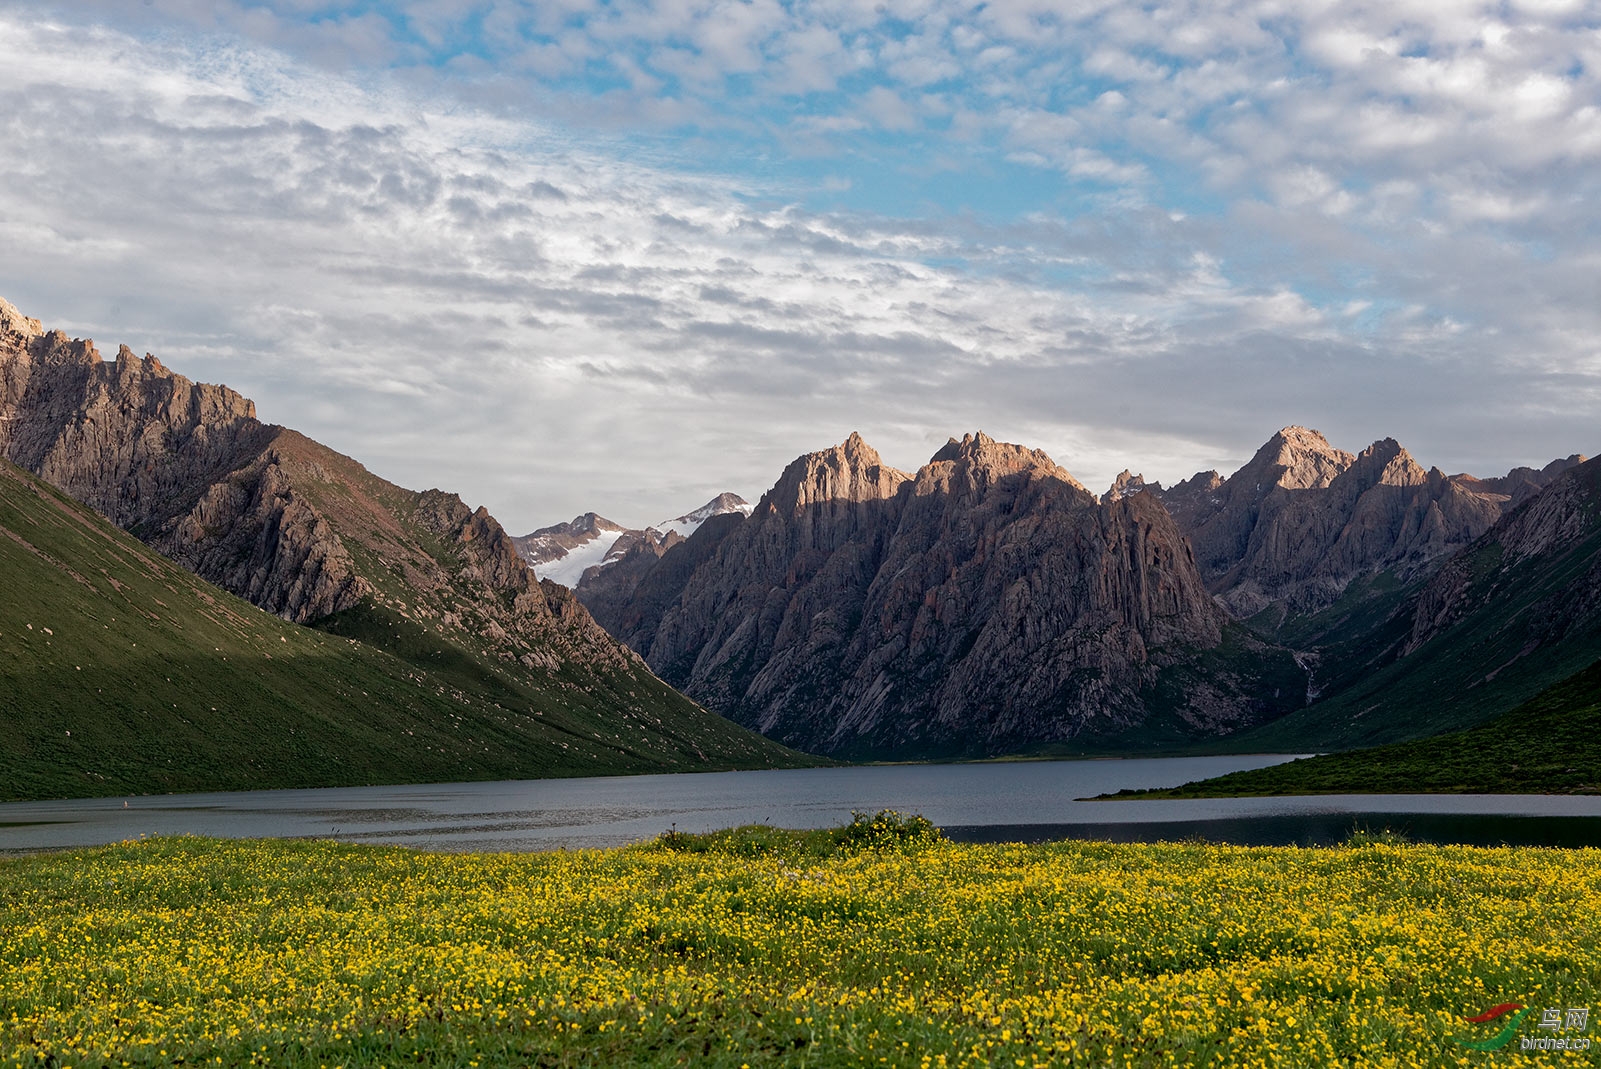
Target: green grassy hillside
121,672
1551,743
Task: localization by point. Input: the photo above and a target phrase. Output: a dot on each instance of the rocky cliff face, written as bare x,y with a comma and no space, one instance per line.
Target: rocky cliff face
1496,622
606,590
986,602
1549,546
1302,519
266,513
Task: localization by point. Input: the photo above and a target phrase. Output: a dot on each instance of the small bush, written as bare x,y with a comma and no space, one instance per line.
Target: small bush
885,830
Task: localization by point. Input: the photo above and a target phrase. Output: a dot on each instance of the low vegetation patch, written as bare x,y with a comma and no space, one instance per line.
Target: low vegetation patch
1550,744
876,944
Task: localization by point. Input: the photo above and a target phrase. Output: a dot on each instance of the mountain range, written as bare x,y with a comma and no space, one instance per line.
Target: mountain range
310,536
986,603
1301,520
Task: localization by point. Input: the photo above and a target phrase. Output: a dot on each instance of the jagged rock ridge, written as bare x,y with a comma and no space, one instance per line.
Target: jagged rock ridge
983,603
1302,519
260,510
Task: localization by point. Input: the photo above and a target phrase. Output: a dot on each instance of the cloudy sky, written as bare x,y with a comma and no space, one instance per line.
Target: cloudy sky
560,255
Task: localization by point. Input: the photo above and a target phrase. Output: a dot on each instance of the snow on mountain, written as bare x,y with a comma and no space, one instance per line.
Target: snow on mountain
686,524
563,553
570,567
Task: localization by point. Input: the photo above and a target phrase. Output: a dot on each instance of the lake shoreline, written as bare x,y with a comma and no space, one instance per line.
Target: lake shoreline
552,814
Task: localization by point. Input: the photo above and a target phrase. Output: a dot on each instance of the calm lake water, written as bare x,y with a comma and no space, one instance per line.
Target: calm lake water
1002,802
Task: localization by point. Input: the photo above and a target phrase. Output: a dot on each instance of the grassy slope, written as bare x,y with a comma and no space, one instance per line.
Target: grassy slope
1551,743
149,679
1483,666
745,949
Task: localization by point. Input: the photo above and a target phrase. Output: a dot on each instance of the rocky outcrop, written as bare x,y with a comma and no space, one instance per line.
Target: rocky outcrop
1548,548
1127,484
254,534
1299,522
266,513
985,603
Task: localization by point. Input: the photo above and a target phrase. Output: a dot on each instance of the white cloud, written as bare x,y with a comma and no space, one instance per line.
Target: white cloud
887,109
479,276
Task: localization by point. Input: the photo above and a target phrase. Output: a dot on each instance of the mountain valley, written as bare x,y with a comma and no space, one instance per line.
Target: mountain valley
986,604
312,537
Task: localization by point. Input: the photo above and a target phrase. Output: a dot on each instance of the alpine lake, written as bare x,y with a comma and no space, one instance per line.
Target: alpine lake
1005,801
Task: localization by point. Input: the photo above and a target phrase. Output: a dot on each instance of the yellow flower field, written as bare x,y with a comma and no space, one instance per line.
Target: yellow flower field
757,948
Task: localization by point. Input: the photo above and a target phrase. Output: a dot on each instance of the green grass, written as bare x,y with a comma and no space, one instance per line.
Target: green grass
1549,744
764,948
123,673
1493,659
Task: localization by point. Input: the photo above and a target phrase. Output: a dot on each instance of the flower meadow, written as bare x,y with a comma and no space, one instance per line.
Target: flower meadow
879,945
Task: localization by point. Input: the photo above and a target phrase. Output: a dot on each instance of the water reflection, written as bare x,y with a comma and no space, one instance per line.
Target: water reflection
1310,829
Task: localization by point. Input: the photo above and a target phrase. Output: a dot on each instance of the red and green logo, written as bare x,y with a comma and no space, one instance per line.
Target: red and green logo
1503,1037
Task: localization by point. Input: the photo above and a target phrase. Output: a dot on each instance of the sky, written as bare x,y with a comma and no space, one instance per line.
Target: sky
574,255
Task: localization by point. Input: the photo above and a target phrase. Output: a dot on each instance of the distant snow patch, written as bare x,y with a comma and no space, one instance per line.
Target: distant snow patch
569,569
687,524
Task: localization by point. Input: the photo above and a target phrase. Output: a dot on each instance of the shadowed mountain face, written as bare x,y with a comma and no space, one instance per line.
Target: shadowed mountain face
1302,520
1508,615
123,673
298,529
985,603
1546,552
260,510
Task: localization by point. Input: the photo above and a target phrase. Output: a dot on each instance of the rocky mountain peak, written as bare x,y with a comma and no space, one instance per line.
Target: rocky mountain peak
549,550
1387,463
851,471
1296,458
981,460
723,503
855,445
970,445
1126,484
15,323
593,522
